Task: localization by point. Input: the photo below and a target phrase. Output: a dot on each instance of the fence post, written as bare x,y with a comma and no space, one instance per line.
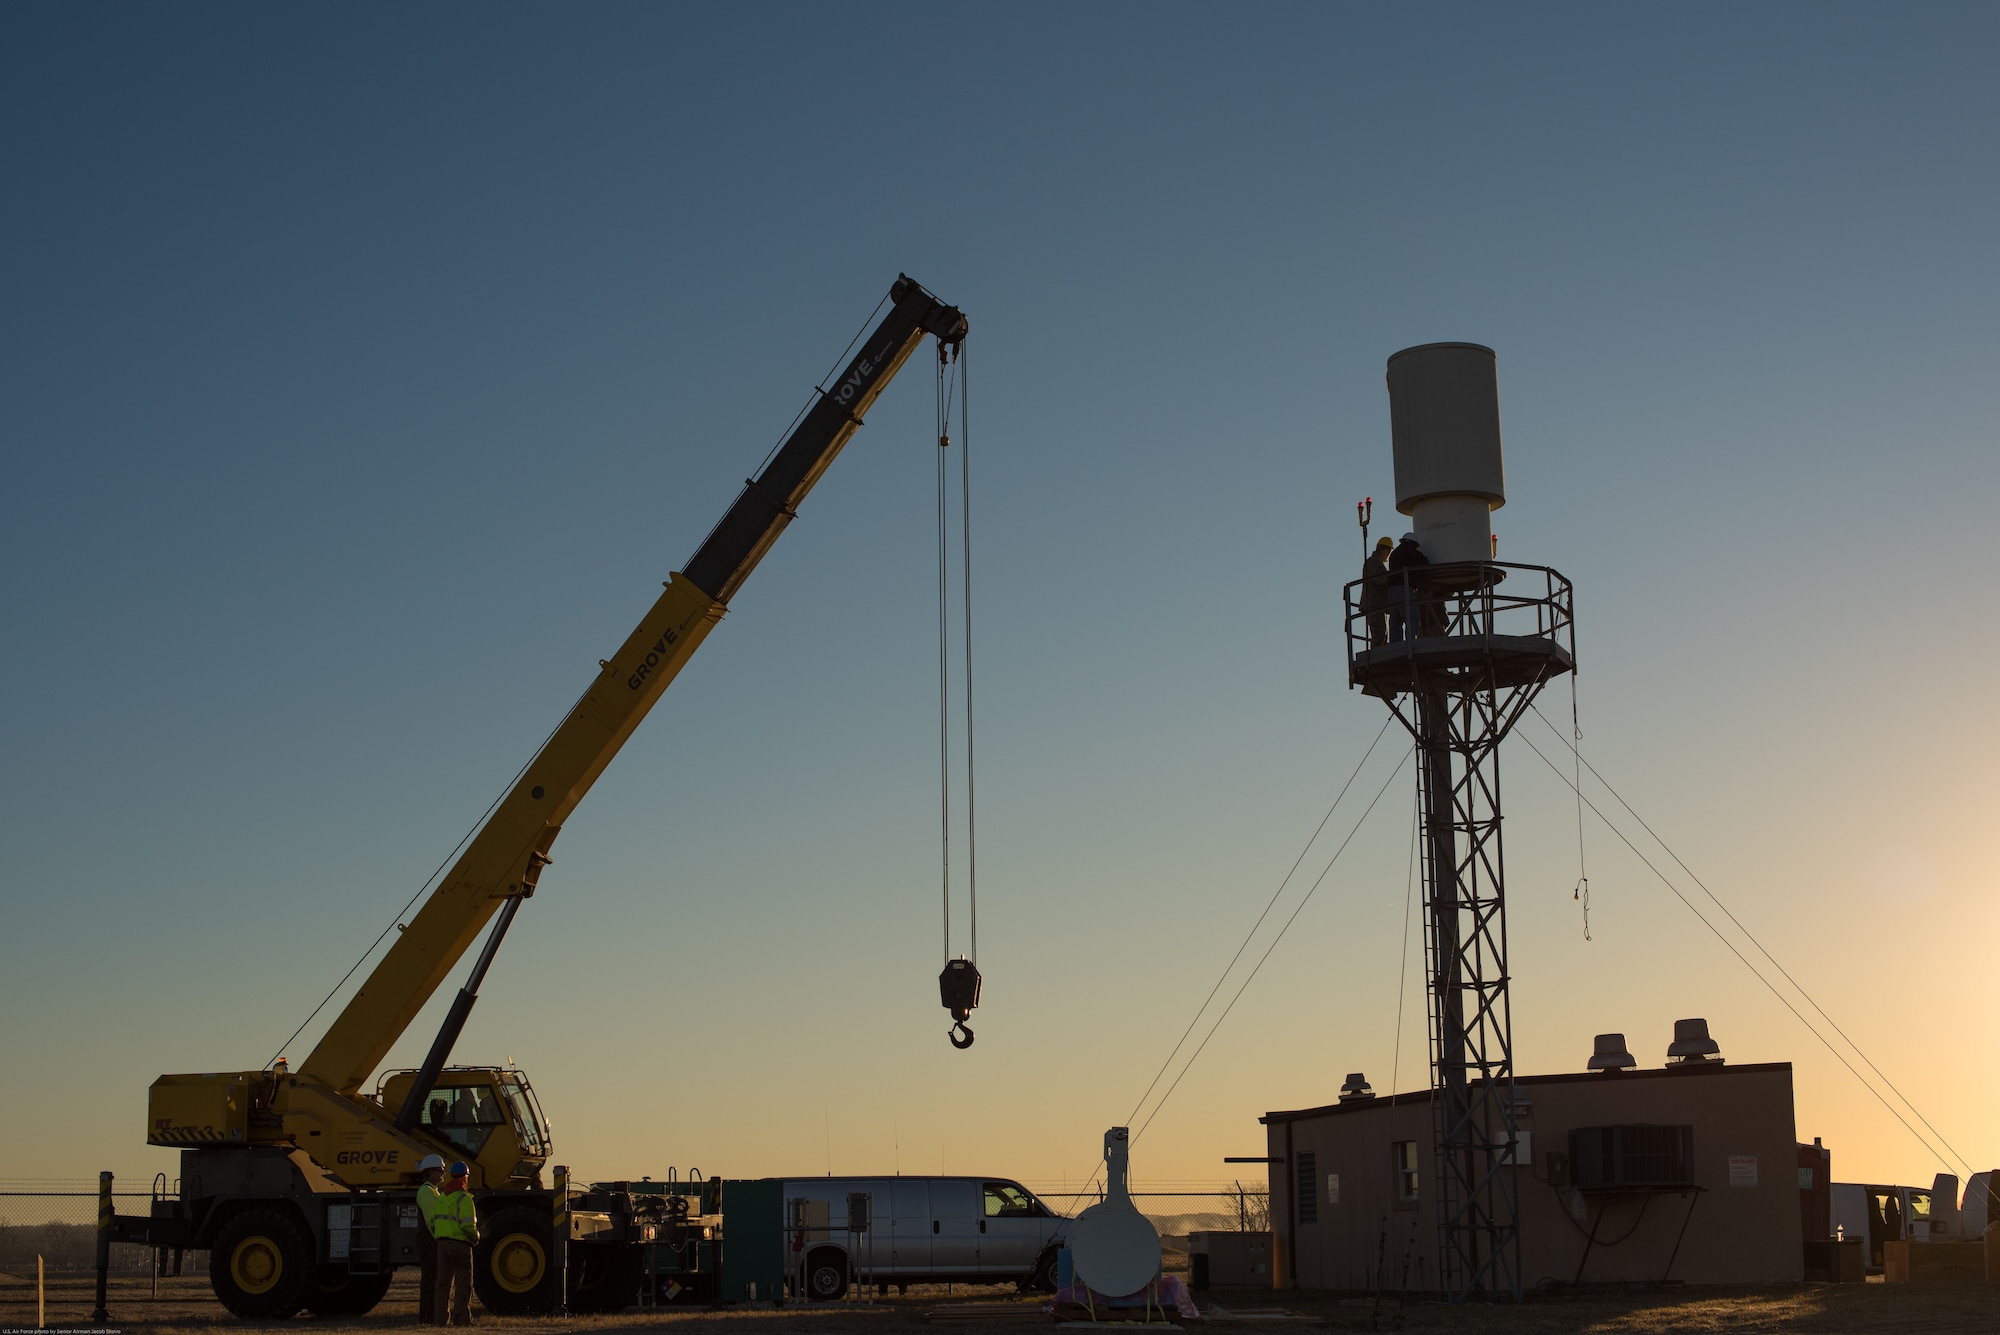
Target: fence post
561,1223
100,1315
41,1295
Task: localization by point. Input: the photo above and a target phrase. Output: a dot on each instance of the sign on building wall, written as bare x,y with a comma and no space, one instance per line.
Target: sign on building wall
1333,1188
1742,1170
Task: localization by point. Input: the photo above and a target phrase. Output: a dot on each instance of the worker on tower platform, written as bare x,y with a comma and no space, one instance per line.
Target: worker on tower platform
1405,589
455,1225
428,1196
1375,592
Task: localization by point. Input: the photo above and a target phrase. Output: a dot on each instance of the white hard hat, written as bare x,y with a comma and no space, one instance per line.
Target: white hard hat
1409,537
431,1161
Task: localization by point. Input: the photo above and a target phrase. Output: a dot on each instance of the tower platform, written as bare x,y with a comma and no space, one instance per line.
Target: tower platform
1474,662
1491,625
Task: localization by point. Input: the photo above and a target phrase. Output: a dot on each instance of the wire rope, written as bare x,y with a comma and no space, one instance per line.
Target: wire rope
1783,1000
1582,891
1252,933
1403,955
944,652
1752,938
1306,899
476,827
965,565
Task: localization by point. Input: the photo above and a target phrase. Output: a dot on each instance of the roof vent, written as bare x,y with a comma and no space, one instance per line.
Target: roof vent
1356,1089
1691,1043
1611,1054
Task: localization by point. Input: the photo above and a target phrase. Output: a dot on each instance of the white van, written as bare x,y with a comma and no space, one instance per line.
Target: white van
922,1230
1879,1214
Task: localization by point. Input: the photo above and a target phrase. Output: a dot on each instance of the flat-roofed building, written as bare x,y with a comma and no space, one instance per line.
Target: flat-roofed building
1685,1173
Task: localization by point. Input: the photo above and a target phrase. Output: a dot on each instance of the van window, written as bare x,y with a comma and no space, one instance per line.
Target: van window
1004,1200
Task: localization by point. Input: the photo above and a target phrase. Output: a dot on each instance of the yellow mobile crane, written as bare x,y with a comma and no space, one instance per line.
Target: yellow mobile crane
301,1183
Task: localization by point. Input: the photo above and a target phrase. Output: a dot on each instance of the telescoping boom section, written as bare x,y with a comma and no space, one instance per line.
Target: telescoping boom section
322,1109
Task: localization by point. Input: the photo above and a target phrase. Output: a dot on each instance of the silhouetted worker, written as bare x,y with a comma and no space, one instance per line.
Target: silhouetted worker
1375,592
1405,563
428,1196
455,1225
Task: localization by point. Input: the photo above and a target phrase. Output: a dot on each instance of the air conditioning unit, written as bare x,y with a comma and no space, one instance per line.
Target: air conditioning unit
1610,1157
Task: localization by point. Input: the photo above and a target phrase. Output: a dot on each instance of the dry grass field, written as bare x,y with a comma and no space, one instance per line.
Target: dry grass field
184,1307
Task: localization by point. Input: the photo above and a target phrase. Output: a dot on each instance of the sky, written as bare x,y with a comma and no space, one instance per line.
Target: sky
365,369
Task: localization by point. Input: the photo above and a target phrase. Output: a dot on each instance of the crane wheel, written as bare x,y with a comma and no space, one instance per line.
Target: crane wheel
826,1275
261,1264
513,1269
335,1292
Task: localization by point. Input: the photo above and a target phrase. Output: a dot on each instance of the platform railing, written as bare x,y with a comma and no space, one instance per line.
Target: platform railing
1465,600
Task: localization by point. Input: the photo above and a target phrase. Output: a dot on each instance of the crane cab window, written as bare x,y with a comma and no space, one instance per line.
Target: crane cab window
1004,1200
465,1116
526,1116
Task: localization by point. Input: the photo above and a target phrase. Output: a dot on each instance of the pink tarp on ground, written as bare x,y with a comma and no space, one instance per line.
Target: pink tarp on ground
1165,1294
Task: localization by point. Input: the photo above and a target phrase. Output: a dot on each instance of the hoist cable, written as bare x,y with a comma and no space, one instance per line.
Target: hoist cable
1783,1000
1305,900
944,657
965,535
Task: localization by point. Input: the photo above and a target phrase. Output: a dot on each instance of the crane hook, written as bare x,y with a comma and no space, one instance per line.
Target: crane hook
958,988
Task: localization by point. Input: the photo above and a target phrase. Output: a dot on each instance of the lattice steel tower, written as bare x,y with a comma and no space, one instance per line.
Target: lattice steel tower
1458,647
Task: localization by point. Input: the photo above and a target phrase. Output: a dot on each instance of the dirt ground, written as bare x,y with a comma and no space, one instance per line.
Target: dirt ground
184,1307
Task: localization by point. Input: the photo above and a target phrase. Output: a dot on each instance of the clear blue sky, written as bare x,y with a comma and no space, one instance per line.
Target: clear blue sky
363,370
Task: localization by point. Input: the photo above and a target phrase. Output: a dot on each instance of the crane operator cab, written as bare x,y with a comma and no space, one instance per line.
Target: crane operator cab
488,1114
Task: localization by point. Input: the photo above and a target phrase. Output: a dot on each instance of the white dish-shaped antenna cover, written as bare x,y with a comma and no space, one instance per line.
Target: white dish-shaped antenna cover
1115,1249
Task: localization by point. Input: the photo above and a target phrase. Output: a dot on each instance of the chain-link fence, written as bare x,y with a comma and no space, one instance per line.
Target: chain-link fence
57,1221
1176,1209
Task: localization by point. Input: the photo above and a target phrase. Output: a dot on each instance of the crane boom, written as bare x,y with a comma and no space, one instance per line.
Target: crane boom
503,860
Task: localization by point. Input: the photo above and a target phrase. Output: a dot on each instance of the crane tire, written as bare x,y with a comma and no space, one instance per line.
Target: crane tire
335,1292
513,1267
826,1275
261,1264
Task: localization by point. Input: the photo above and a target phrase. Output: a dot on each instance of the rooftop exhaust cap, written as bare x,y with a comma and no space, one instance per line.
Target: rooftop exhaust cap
1356,1089
1609,1053
1691,1042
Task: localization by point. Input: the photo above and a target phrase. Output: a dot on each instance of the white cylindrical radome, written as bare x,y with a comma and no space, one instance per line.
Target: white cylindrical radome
1444,420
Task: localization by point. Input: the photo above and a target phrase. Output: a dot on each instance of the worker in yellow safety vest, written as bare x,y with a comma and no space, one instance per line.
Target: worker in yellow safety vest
432,1168
454,1222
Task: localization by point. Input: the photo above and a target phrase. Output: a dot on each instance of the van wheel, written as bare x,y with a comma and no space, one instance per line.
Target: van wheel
1042,1279
261,1264
826,1275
